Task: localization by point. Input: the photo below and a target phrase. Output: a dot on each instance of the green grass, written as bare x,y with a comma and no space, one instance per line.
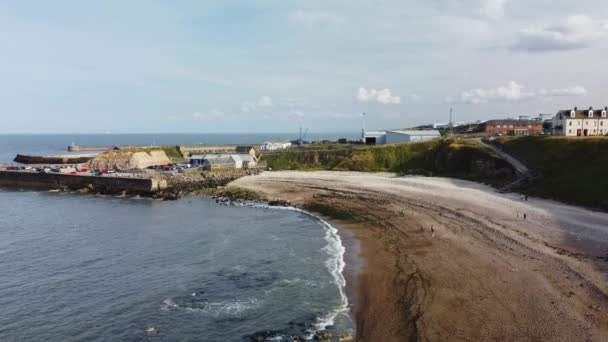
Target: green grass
172,152
573,169
461,158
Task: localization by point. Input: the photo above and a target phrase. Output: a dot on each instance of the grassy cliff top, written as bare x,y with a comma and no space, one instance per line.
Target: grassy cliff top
461,158
573,169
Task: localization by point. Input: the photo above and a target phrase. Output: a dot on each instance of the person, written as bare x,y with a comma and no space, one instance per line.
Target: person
526,197
525,216
522,197
402,213
432,232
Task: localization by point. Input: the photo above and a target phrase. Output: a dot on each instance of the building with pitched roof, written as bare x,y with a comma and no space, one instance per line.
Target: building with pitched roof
513,126
577,123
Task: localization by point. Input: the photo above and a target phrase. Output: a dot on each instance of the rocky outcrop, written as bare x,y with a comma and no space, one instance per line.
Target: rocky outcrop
182,184
127,160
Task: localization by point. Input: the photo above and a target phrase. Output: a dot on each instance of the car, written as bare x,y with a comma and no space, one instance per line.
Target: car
74,173
83,170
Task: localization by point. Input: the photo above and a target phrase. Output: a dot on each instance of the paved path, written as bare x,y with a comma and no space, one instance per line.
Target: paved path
518,165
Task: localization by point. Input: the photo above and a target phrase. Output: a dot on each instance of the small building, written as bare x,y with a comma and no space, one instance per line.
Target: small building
249,160
375,137
246,149
274,146
238,160
577,123
513,127
399,136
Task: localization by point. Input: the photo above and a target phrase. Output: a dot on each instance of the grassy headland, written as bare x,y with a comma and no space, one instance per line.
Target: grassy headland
459,158
172,152
573,169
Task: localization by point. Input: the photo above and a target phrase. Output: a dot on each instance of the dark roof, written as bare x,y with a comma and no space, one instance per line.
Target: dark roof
244,148
513,122
582,114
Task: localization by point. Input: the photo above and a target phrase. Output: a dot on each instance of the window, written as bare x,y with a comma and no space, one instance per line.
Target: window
569,131
572,114
604,113
570,123
601,123
590,113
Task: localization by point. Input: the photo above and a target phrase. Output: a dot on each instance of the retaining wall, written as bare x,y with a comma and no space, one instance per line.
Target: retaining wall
98,184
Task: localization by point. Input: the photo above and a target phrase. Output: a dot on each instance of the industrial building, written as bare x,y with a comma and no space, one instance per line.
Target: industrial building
399,136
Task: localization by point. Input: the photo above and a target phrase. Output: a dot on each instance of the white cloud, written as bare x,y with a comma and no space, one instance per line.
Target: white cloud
263,101
212,114
513,91
316,19
568,91
492,9
576,32
383,96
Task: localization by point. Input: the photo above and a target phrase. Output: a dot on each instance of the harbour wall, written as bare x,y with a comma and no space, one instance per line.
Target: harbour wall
27,159
103,184
73,148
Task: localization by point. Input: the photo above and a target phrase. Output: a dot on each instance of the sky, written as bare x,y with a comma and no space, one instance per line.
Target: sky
275,65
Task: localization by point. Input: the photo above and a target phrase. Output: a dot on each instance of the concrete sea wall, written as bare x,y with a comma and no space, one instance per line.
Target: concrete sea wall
97,184
27,159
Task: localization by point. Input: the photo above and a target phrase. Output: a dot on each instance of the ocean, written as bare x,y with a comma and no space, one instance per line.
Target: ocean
54,144
101,268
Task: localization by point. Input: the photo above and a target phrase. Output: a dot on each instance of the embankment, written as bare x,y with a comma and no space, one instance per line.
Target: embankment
39,180
572,169
460,158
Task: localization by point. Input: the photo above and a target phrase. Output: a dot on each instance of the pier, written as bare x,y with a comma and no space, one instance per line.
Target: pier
75,148
102,184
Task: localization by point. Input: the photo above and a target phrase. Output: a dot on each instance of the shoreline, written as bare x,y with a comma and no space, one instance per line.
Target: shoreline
509,279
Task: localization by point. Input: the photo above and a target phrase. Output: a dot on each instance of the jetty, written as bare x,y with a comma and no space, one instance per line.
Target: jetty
84,182
75,148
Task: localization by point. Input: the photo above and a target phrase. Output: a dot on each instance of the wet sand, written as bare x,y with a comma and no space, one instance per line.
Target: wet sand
488,275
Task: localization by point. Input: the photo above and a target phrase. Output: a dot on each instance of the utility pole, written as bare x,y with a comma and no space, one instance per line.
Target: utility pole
363,126
451,123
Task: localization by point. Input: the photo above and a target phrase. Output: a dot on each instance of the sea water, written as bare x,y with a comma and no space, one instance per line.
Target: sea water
91,268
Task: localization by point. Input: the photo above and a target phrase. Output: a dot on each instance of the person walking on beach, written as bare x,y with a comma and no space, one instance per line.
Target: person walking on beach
432,232
525,216
526,198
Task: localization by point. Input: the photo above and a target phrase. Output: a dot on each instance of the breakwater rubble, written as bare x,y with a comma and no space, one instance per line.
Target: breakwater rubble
180,185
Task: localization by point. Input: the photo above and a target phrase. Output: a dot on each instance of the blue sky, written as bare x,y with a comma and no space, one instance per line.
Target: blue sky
269,66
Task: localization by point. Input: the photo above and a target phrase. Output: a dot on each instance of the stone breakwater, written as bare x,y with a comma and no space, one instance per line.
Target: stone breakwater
183,184
105,185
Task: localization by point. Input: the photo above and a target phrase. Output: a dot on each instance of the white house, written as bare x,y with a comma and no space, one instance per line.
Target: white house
236,161
577,122
274,146
399,136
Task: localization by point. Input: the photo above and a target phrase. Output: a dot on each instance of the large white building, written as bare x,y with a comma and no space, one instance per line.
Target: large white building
577,122
399,136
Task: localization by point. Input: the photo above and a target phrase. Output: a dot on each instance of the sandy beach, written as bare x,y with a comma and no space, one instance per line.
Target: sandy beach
486,275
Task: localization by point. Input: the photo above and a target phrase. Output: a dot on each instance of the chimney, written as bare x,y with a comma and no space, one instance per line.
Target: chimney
590,108
575,109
